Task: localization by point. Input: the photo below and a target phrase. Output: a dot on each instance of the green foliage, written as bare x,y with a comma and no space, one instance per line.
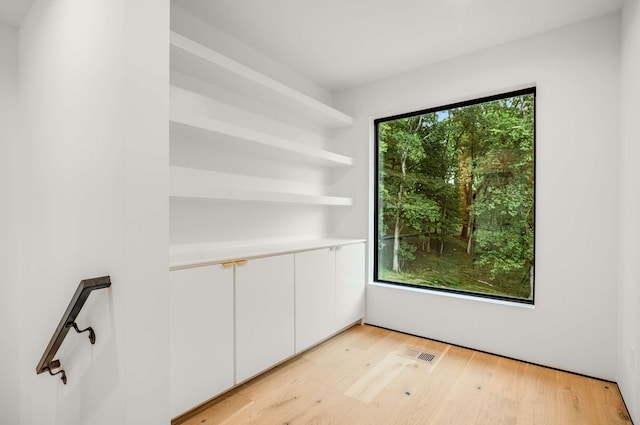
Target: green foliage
406,253
464,178
419,212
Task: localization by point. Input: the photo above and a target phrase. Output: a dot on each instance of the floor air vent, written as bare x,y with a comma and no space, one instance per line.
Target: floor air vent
427,357
419,355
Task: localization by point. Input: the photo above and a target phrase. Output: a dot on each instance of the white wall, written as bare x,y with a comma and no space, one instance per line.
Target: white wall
9,307
629,335
576,72
93,175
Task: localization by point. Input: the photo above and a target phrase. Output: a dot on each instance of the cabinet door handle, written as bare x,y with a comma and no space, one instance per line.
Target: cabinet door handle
242,262
227,264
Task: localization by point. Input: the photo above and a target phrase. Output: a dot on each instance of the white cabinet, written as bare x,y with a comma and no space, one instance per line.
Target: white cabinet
232,320
264,314
350,284
329,292
315,296
201,332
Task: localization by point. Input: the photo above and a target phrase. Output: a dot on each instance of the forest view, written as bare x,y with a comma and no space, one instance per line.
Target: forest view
456,197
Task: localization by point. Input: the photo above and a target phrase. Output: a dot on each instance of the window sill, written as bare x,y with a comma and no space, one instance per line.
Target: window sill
454,295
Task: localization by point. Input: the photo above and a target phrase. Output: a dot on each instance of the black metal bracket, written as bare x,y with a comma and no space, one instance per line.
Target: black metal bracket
92,334
55,365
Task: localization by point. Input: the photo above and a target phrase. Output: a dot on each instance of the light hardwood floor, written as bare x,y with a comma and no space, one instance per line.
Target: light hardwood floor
365,376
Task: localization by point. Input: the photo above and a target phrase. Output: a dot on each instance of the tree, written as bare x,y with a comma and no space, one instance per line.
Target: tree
406,151
503,205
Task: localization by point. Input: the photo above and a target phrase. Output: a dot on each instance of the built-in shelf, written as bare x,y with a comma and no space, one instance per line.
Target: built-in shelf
257,196
183,256
187,120
249,159
207,64
203,184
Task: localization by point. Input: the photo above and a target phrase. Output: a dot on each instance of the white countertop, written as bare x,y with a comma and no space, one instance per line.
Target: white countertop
195,255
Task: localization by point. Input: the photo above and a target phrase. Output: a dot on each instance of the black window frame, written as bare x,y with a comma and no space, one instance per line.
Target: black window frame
376,196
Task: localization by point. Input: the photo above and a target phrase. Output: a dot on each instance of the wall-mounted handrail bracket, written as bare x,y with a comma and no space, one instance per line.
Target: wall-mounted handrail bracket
68,321
55,365
92,334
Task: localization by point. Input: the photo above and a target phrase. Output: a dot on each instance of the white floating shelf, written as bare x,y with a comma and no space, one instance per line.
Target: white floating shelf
243,78
201,184
185,117
256,196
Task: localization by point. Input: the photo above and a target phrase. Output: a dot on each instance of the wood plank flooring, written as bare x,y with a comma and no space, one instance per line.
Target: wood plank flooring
366,376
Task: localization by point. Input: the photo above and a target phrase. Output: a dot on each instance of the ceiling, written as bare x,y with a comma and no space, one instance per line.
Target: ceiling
12,11
345,43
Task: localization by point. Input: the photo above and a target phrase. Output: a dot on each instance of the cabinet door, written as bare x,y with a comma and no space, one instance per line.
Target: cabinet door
315,296
201,335
264,314
350,284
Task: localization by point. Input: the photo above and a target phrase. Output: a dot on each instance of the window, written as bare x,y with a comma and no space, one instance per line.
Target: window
455,192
